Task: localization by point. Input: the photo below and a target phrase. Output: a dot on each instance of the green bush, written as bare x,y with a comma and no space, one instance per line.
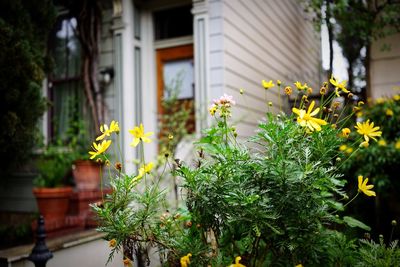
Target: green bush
277,199
23,29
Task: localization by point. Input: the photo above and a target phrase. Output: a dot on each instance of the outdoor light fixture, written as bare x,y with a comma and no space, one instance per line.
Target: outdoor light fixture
106,75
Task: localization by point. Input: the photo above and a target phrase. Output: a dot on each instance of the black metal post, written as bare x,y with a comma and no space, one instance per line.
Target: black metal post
40,253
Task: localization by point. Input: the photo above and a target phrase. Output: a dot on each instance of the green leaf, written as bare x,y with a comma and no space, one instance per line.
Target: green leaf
350,221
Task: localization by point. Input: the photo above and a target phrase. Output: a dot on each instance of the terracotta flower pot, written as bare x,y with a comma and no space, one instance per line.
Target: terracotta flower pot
86,174
53,202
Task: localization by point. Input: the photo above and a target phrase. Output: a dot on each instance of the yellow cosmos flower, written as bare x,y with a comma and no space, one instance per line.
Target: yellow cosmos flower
305,118
112,243
185,260
363,187
389,112
139,135
299,86
278,82
322,91
380,100
368,130
382,142
341,86
346,132
397,144
396,97
237,262
349,150
107,131
267,85
364,144
212,110
99,148
145,169
342,147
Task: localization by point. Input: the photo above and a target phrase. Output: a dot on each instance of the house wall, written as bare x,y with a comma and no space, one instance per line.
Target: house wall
384,68
106,60
255,40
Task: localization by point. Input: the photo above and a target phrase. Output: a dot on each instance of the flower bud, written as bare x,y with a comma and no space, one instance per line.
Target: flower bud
394,222
367,236
118,166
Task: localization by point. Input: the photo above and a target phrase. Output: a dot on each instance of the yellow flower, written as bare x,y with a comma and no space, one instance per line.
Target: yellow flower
380,100
185,260
305,118
389,112
359,114
363,187
146,168
237,262
278,82
127,262
341,86
267,85
342,147
112,243
349,150
397,144
270,103
170,137
241,91
299,86
106,131
99,148
309,90
368,130
382,142
139,135
364,144
288,90
396,97
299,265
212,110
346,132
322,91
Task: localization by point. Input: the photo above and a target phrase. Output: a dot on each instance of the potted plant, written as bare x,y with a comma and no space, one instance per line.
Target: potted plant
86,173
51,186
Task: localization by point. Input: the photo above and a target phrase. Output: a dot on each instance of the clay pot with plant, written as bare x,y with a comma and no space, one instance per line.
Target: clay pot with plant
86,173
51,187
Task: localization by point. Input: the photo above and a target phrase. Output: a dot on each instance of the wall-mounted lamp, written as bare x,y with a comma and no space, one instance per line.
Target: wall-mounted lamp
106,75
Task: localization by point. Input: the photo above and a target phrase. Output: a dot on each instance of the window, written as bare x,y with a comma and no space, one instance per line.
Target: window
172,23
64,82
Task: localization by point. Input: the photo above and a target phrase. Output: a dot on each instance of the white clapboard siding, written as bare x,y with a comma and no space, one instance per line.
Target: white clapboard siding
385,67
252,40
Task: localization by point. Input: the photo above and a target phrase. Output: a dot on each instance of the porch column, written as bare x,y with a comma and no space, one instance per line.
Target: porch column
123,32
201,71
